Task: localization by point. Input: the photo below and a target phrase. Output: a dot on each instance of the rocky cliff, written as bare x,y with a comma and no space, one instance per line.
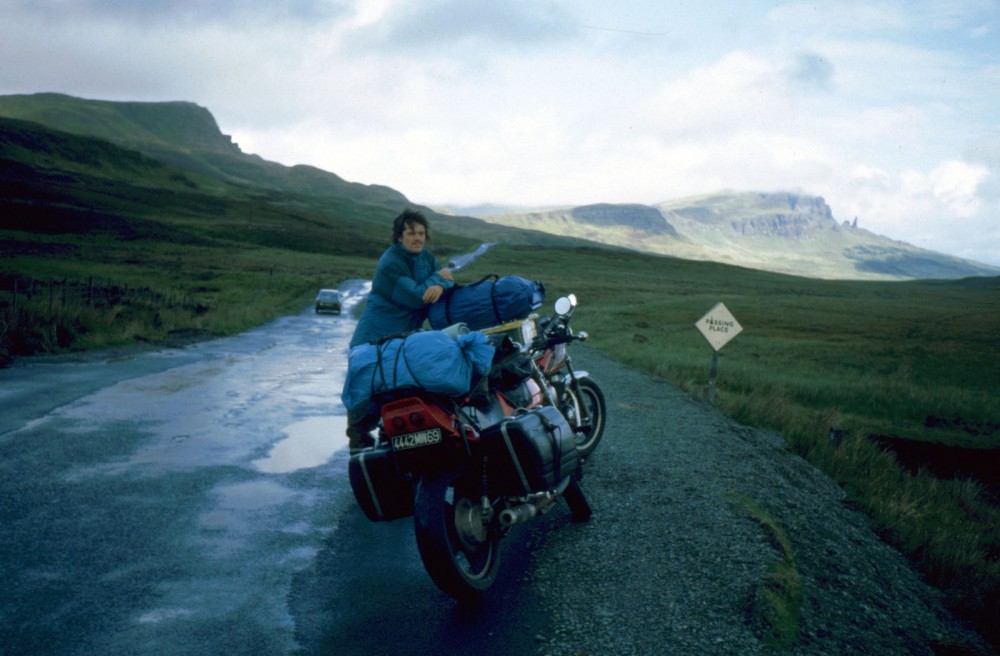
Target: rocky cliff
783,215
638,217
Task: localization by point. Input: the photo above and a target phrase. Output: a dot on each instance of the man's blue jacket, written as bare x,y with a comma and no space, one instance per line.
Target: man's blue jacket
395,304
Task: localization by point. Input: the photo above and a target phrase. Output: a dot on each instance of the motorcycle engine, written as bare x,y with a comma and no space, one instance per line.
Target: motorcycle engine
524,395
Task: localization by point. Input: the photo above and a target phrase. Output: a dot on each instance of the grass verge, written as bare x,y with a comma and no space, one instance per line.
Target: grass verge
776,606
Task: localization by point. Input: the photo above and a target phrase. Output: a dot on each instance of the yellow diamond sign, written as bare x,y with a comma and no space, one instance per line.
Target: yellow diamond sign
719,326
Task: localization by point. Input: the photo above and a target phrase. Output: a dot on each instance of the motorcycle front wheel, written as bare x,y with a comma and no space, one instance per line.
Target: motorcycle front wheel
589,403
459,551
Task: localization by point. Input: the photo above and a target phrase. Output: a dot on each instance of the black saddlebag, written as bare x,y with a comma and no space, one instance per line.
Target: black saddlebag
531,452
381,492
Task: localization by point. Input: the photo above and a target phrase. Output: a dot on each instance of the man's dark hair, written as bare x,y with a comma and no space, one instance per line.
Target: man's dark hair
407,219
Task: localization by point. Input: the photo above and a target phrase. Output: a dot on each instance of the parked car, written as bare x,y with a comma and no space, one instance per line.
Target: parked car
328,300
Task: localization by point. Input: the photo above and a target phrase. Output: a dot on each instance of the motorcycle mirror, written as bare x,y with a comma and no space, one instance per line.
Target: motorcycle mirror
565,304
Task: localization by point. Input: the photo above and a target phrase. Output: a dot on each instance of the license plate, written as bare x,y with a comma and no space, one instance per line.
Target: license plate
415,440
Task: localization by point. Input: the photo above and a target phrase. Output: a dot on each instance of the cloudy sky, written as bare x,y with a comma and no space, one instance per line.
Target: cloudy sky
890,110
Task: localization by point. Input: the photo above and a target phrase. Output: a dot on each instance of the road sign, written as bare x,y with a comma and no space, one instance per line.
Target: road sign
719,326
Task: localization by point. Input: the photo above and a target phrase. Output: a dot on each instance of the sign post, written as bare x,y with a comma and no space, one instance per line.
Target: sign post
718,326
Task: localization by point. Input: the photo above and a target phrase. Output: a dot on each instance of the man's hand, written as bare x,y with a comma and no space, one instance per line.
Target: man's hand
433,293
447,274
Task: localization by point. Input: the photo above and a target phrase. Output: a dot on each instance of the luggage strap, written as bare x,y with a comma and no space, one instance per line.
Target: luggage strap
550,429
380,362
379,369
372,492
513,457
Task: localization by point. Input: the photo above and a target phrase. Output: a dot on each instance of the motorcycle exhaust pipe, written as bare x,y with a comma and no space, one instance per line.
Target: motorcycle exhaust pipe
525,511
518,514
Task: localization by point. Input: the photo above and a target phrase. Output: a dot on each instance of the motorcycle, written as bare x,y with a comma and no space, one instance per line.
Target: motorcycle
470,469
543,373
576,395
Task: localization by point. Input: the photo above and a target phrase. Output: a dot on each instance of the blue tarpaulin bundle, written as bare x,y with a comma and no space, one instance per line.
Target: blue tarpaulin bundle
489,302
430,360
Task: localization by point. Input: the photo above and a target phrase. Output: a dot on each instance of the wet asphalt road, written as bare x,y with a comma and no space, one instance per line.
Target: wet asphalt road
195,501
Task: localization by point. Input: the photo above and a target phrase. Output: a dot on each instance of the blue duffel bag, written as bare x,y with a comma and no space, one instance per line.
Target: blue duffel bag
430,360
489,302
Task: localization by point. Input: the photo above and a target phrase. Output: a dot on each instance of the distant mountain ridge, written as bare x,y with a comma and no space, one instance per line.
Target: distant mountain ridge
782,232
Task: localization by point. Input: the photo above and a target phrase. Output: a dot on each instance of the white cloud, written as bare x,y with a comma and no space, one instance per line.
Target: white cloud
941,208
955,184
740,91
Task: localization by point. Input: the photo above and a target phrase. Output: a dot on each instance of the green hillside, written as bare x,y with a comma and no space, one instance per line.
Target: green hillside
81,209
187,136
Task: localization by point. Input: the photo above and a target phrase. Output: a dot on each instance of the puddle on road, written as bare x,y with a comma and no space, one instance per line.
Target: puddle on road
310,443
163,614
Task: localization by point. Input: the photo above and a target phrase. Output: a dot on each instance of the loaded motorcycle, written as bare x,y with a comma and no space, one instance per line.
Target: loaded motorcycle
470,468
577,396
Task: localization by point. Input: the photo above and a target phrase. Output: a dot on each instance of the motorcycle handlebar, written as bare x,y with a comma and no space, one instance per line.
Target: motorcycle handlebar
555,330
551,339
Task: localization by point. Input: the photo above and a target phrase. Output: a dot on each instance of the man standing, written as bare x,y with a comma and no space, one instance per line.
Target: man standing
407,279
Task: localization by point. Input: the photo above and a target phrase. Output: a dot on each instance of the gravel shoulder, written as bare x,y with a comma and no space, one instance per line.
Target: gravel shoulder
669,562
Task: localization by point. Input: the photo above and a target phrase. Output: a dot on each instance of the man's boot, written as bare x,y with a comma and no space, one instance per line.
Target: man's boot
359,440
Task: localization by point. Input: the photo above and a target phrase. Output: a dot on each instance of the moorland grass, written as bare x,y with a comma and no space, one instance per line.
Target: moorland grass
777,602
199,290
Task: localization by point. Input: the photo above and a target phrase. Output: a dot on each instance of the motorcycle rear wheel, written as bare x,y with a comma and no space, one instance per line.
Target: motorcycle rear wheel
461,555
590,398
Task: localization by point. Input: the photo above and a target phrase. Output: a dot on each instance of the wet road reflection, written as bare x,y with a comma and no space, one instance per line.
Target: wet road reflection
310,443
163,502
